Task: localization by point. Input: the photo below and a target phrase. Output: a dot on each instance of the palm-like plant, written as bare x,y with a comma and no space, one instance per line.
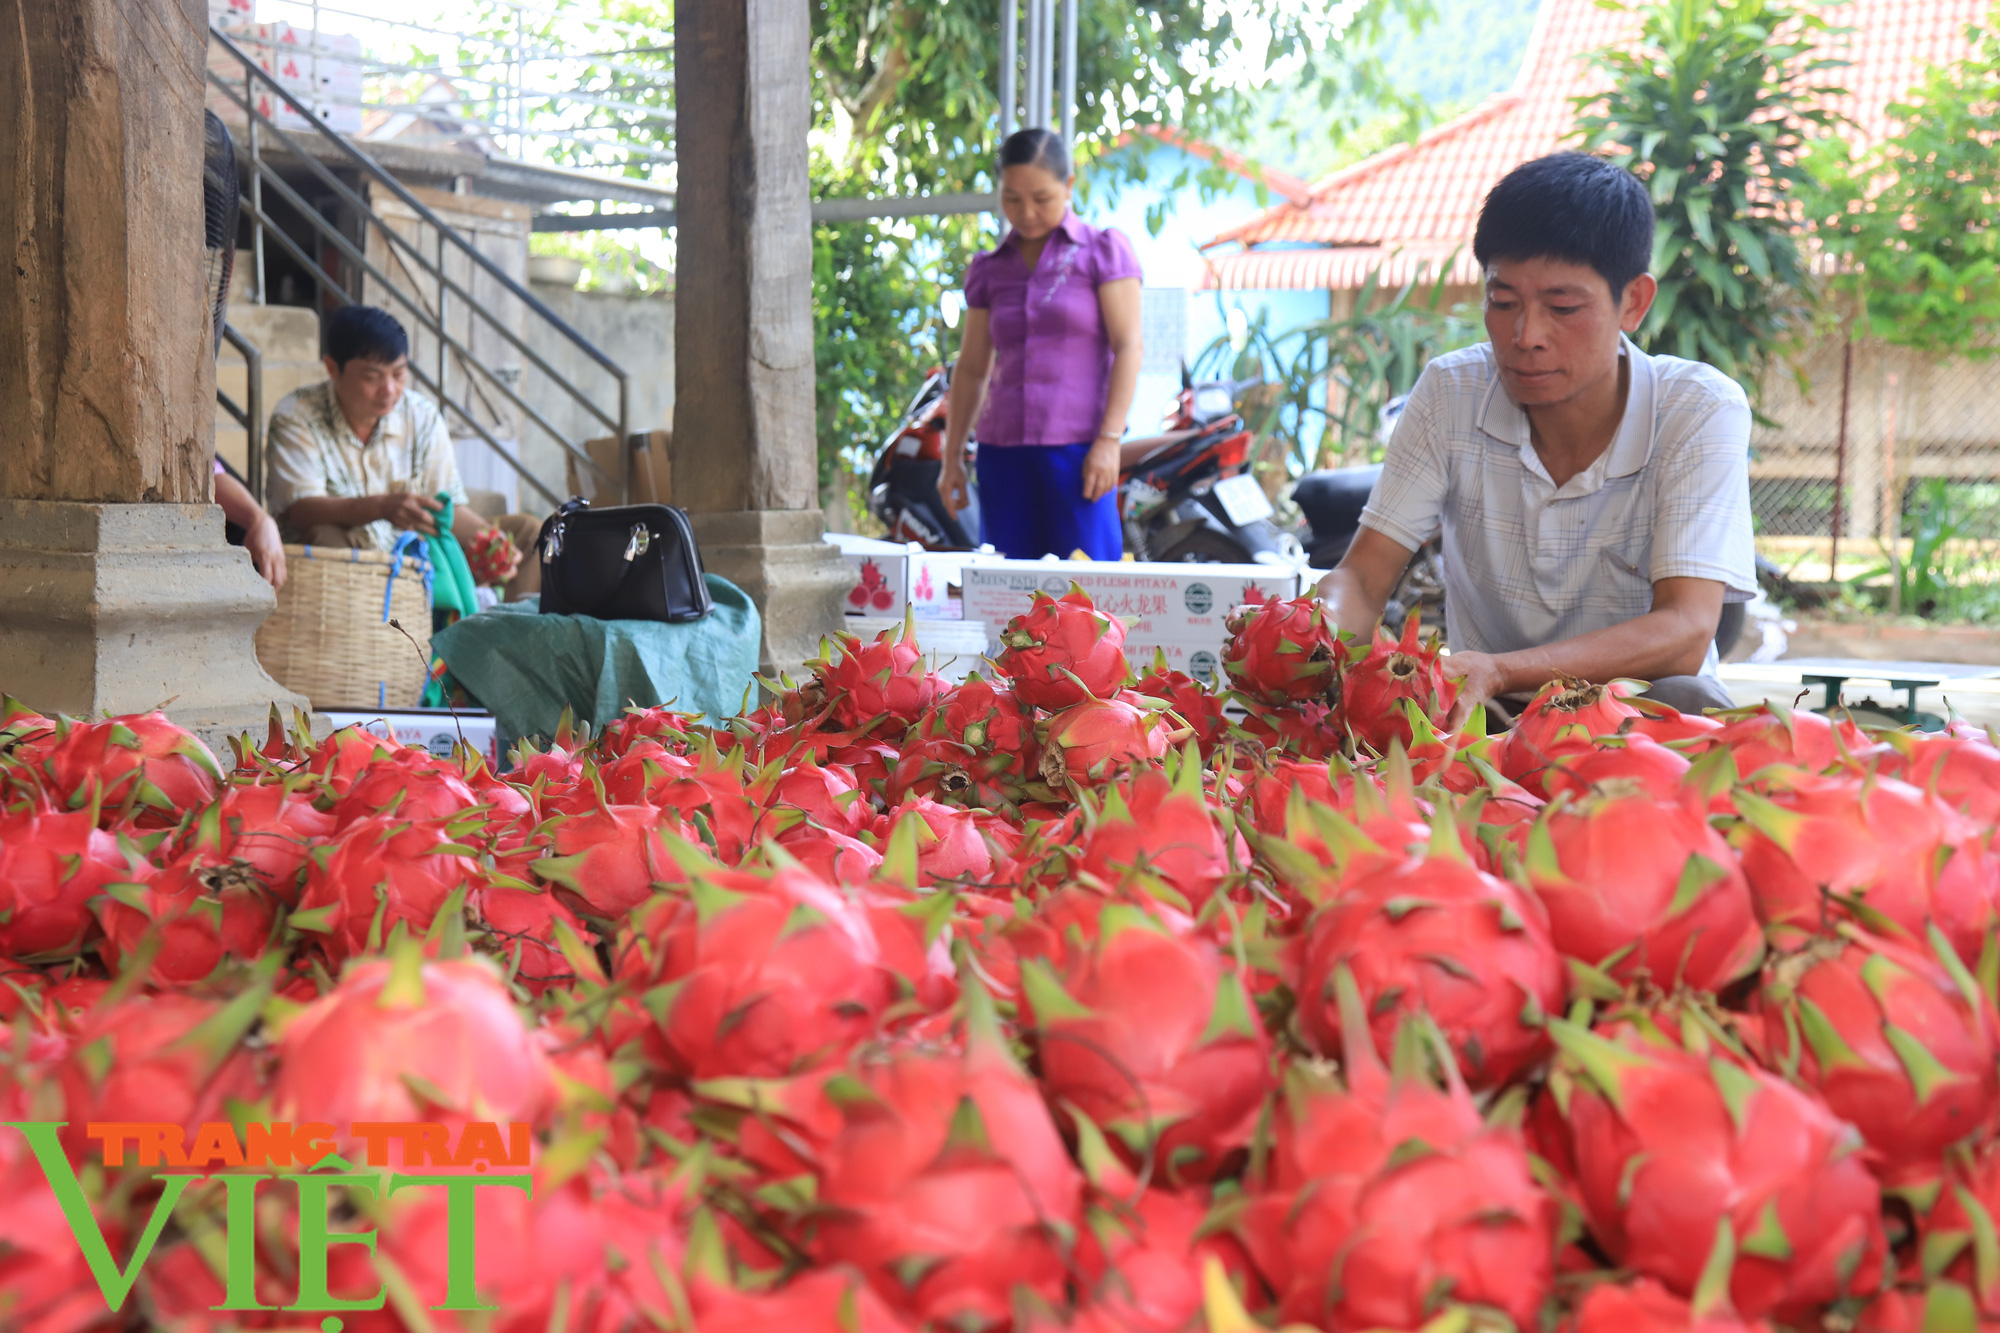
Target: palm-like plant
1712,108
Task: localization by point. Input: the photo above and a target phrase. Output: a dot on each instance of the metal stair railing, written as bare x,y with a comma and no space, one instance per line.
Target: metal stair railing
250,416
409,255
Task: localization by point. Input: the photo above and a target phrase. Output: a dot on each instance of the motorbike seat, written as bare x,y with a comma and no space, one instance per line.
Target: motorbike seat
1131,453
1332,500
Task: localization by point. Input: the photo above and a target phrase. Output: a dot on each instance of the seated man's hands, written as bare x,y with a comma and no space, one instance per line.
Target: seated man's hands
1479,679
411,512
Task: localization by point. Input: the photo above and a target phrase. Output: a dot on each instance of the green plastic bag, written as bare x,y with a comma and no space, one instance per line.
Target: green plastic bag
452,596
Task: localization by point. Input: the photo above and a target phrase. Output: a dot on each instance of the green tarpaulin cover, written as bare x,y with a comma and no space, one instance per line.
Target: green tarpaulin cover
526,668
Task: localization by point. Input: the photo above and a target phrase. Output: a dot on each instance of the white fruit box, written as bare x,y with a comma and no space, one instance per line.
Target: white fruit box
890,576
433,730
1178,607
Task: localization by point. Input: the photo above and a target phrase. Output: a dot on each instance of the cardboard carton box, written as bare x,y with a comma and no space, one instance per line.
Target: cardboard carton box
1180,608
889,577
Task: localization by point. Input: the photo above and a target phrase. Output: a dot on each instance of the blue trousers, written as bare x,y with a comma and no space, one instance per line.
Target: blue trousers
1031,504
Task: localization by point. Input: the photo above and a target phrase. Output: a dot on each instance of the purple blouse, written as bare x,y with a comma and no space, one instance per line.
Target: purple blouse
1051,360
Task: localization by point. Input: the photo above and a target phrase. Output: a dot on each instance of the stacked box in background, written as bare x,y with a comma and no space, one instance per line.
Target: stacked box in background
890,576
328,81
1177,609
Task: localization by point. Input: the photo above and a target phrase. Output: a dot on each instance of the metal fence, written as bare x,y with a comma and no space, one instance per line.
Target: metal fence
1884,461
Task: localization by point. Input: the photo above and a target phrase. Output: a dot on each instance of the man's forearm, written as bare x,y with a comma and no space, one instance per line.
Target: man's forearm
1658,644
336,511
1348,601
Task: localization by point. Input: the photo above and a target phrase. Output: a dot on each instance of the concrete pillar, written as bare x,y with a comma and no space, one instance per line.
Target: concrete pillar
116,589
745,455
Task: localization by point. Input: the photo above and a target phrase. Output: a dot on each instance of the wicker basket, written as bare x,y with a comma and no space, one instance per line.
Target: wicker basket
330,639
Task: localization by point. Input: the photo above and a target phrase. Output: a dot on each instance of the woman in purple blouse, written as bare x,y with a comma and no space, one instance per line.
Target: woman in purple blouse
1051,354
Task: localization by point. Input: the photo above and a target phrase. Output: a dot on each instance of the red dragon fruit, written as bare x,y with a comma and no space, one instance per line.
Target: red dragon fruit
1962,771
1639,885
751,976
828,853
1657,721
1642,1305
51,866
1958,1238
975,747
521,930
342,755
1812,845
827,796
409,1039
1155,1039
1063,651
953,846
204,913
1900,1042
1092,741
1671,1145
644,724
270,827
1197,706
1372,689
173,1059
830,1300
1283,652
381,873
410,784
1633,762
1157,823
1390,1195
610,859
142,759
1562,722
1309,730
1771,733
881,679
1436,935
947,1183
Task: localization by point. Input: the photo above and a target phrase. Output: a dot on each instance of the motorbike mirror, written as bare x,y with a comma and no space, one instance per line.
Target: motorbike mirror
1187,376
951,305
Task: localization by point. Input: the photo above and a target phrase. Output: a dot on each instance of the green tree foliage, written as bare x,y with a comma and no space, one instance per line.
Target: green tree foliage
1712,109
905,102
1365,359
1915,221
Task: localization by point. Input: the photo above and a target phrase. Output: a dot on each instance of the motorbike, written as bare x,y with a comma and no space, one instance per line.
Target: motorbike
1186,495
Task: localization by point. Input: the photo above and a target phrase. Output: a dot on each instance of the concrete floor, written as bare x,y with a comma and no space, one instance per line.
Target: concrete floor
1975,701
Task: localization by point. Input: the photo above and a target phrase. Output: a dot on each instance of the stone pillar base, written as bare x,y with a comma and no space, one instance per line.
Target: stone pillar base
796,579
123,608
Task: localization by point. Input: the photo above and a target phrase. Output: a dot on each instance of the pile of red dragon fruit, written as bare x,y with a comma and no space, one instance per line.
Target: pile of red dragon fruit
1060,999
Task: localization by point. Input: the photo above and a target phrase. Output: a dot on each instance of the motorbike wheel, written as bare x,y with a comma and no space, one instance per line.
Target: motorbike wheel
1204,547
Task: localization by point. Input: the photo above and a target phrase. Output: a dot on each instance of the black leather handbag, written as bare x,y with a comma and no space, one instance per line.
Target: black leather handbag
631,562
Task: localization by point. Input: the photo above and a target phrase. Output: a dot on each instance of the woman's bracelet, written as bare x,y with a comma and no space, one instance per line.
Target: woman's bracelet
1108,435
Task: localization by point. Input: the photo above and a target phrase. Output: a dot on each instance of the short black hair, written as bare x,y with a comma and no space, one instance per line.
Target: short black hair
1572,207
1036,148
366,333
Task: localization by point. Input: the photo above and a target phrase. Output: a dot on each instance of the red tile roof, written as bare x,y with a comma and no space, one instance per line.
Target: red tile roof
1423,198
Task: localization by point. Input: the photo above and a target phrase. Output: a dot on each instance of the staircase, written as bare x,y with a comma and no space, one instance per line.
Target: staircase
336,221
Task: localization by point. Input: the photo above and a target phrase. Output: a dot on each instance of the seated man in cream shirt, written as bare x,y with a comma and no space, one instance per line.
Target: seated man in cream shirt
1594,501
360,457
